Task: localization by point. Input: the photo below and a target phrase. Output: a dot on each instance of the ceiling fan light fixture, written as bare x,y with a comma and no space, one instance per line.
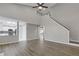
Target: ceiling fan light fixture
40,8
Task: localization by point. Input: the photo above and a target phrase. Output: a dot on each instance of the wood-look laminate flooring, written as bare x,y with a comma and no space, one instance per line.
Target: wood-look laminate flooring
39,48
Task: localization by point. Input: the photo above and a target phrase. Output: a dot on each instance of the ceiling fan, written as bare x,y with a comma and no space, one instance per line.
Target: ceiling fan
40,6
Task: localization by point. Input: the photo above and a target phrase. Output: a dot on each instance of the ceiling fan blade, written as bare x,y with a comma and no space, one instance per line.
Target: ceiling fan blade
42,4
38,4
35,6
45,6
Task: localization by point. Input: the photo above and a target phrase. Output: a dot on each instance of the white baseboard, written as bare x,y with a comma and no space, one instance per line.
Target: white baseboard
72,44
1,43
8,42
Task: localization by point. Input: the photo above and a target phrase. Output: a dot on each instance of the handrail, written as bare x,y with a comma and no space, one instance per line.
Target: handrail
48,13
53,19
56,21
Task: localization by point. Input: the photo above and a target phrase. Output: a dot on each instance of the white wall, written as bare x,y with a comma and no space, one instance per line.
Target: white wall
22,31
68,15
53,31
19,12
32,32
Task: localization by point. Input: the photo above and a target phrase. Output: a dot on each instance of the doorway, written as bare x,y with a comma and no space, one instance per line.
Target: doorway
41,32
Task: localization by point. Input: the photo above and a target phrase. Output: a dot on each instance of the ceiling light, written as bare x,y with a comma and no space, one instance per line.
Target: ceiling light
40,8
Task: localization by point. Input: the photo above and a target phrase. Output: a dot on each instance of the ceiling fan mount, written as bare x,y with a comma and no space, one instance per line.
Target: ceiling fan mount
40,6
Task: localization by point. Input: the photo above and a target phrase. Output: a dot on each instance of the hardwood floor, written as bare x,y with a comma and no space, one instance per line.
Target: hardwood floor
39,48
